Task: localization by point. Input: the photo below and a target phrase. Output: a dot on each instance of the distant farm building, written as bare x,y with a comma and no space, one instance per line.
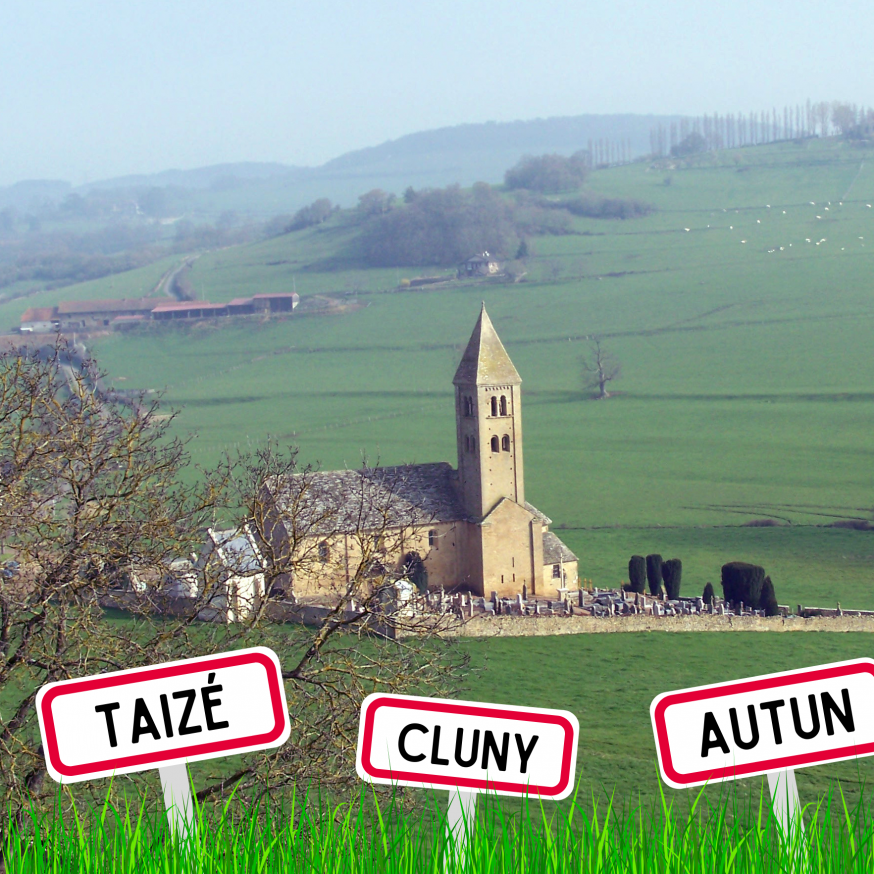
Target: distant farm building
89,314
39,320
479,265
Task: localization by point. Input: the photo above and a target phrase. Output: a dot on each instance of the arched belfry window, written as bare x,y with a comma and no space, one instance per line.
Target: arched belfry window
503,405
505,443
494,406
468,406
496,447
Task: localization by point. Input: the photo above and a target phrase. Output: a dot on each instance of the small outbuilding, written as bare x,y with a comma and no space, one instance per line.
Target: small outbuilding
479,265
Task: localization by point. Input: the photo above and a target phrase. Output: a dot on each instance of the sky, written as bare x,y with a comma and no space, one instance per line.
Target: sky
91,89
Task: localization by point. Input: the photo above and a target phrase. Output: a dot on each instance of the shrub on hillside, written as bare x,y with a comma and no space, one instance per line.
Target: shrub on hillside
768,599
440,227
672,573
637,574
707,597
592,206
317,212
654,573
548,174
742,582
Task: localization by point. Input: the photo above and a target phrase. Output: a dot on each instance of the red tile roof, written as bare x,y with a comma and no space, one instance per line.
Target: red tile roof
40,314
71,307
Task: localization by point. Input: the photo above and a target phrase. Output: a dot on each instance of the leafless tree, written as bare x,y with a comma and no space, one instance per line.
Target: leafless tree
94,512
600,368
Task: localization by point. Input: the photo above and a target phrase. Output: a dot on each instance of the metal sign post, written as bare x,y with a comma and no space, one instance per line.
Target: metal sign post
164,716
466,747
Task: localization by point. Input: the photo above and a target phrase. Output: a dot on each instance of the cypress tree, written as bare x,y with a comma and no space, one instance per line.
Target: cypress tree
742,582
707,597
768,600
637,574
672,572
654,573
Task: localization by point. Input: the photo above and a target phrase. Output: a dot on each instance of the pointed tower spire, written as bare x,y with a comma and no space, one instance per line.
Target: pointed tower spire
488,417
485,361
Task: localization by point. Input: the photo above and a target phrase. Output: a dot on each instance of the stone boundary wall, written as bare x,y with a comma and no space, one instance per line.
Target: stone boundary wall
536,626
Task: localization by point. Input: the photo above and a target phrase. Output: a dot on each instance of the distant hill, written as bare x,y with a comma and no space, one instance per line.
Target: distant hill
33,193
482,152
465,154
215,176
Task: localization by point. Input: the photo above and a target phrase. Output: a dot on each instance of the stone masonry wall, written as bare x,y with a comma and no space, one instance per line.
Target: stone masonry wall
535,626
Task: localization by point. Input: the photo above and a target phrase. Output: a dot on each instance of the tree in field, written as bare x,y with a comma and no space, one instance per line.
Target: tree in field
672,573
93,509
375,202
654,573
844,117
707,597
693,144
600,368
549,174
637,574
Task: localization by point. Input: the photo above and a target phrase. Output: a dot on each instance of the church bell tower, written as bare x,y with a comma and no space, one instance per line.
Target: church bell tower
488,416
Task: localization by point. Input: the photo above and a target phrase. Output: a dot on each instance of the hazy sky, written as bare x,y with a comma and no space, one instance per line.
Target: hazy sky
96,89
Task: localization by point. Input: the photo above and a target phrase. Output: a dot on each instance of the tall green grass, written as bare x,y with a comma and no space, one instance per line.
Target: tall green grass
368,836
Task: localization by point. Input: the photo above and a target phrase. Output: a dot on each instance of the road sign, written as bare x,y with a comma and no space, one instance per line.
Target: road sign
163,716
429,742
466,747
763,724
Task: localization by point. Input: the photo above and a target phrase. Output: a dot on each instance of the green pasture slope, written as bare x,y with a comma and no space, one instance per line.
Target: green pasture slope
747,386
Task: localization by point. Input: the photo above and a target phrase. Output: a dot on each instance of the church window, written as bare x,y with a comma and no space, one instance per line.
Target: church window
503,405
505,443
556,571
468,406
324,551
495,445
432,538
473,444
494,406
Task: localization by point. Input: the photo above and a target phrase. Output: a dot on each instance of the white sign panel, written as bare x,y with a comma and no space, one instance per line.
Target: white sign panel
466,745
765,724
151,717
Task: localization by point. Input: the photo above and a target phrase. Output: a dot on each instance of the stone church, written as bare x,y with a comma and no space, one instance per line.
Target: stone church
464,529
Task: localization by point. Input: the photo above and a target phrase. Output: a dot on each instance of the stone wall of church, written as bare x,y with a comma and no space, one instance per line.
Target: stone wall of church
509,561
551,583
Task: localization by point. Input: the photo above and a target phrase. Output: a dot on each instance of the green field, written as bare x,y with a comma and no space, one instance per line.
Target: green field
609,681
747,390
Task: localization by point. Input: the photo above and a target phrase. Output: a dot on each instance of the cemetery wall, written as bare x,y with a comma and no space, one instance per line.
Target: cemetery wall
533,626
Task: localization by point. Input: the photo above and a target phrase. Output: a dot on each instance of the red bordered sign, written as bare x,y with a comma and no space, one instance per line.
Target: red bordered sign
467,745
775,722
183,711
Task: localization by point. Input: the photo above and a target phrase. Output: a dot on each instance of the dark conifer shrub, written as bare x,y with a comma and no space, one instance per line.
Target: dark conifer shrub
742,582
707,597
768,600
672,573
654,573
637,574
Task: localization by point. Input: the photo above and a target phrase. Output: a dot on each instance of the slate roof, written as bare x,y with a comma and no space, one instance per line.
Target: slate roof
344,501
554,551
236,551
485,361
